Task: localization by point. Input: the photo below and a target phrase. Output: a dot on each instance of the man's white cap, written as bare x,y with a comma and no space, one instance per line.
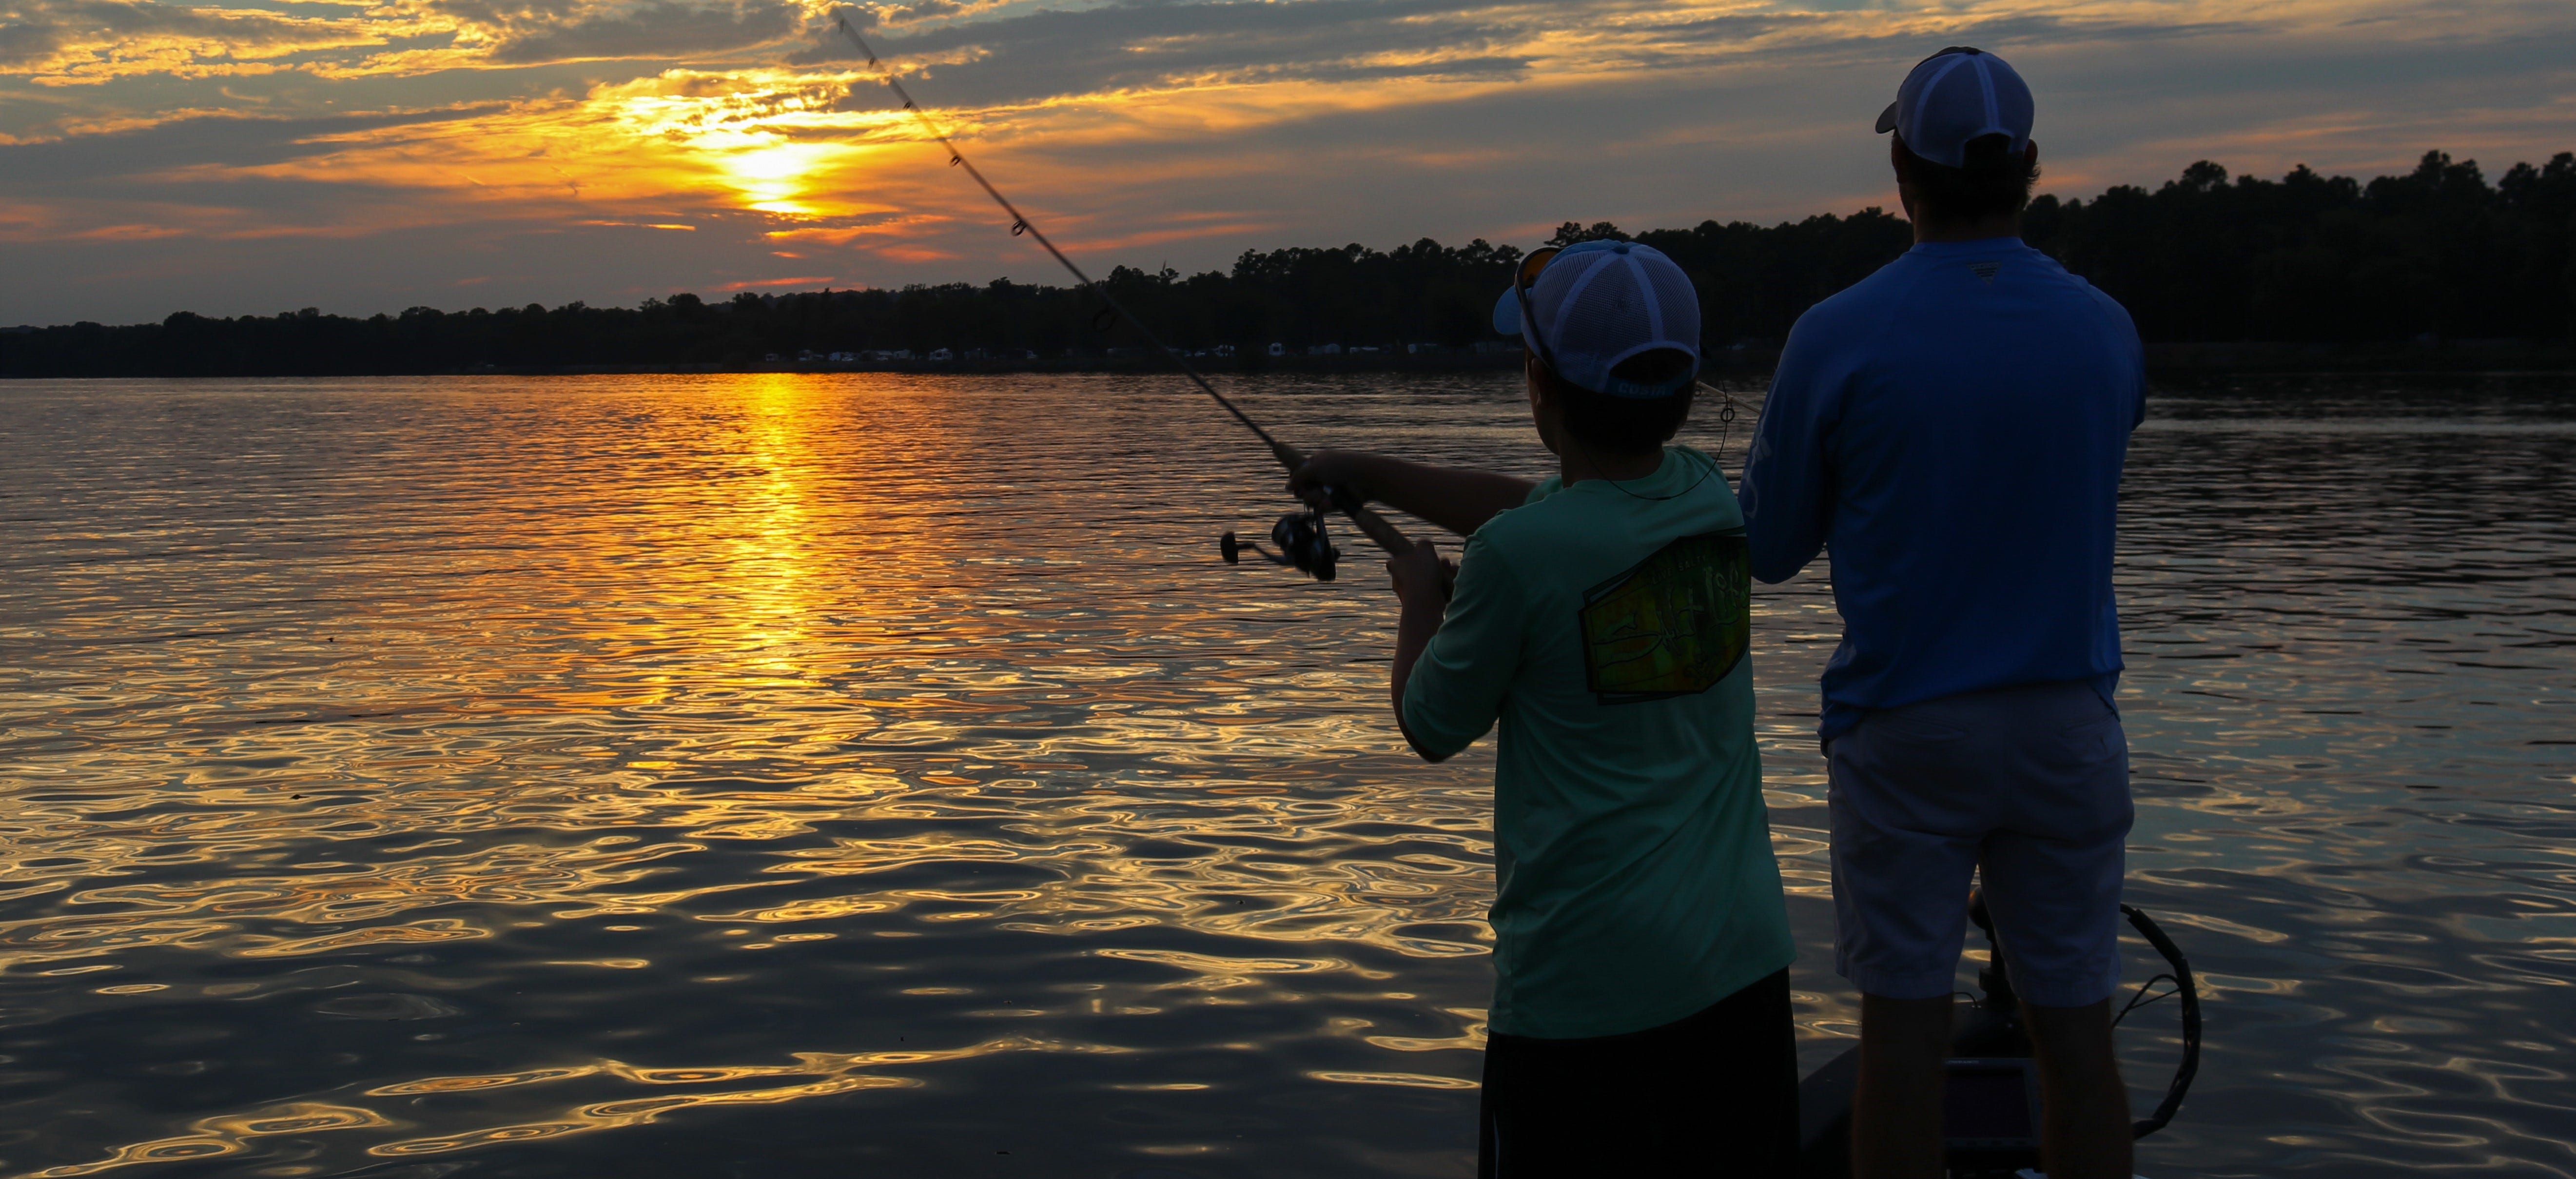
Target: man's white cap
1954,96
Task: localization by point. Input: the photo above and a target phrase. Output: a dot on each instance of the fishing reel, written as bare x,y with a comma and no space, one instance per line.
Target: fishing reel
1302,543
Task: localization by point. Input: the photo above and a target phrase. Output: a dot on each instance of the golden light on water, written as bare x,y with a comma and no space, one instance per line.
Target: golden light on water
775,545
784,754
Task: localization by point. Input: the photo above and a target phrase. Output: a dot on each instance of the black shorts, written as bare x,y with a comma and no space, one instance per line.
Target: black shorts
1712,1094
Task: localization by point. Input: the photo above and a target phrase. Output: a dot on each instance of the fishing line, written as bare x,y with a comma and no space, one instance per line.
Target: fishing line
1375,526
1717,462
1725,419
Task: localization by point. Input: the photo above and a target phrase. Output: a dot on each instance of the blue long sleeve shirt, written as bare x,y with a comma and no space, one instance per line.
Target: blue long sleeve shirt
1952,429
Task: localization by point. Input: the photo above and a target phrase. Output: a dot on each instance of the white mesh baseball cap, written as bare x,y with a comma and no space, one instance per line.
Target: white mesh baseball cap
1595,304
1954,96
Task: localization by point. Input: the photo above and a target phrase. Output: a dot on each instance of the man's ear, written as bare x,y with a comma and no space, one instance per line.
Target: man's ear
1896,158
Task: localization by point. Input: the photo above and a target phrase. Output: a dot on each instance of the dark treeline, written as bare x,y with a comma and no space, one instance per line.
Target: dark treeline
2437,252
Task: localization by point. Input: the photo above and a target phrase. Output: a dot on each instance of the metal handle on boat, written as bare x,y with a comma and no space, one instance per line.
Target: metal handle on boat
2189,990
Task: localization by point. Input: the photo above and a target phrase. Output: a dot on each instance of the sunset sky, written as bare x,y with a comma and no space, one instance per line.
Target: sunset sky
265,155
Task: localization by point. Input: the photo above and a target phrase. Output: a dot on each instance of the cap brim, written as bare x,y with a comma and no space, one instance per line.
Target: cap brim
1612,385
1507,314
1637,392
1887,119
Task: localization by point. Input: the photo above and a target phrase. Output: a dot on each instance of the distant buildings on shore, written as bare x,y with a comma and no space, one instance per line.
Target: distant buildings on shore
881,357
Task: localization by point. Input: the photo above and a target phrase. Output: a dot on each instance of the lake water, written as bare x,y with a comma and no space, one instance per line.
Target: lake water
814,776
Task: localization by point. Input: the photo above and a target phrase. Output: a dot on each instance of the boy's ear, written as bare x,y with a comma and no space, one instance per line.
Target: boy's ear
1542,402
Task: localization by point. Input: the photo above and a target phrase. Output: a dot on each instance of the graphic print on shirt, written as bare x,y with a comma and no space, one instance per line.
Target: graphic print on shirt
1674,625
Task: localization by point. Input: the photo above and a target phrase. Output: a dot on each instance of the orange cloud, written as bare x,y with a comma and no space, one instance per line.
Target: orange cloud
1204,127
802,281
915,253
813,152
86,42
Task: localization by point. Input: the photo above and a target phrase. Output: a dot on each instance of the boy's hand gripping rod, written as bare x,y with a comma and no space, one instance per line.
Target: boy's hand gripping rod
1374,525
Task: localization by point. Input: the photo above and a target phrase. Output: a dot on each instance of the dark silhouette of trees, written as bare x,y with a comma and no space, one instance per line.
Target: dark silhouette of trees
2437,252
2316,258
1754,282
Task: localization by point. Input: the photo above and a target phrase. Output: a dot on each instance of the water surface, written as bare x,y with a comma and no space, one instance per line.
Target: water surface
790,775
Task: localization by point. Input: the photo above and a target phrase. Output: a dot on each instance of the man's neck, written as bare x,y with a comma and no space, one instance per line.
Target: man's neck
1929,230
1579,465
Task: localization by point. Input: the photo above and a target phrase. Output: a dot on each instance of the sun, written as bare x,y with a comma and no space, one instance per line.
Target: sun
779,178
771,140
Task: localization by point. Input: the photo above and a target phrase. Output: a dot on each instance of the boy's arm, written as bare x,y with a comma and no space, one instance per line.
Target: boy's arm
1455,498
1419,588
1454,663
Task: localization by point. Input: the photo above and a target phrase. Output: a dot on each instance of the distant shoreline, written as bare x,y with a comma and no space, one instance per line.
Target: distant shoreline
2164,361
2436,270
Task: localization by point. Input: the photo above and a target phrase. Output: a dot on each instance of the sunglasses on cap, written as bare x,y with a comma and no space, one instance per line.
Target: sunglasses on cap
1531,263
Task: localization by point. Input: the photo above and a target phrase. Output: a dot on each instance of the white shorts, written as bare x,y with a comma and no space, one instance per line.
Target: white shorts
2032,784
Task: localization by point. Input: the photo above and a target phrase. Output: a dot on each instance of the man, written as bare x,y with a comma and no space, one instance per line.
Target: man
1640,1022
1952,428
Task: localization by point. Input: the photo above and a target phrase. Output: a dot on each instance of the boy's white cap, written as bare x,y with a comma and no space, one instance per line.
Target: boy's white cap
1954,96
1598,303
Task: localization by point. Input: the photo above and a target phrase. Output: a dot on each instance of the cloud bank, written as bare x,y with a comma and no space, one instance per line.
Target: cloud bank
268,153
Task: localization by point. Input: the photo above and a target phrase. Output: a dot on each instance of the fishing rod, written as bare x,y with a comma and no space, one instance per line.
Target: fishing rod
1299,535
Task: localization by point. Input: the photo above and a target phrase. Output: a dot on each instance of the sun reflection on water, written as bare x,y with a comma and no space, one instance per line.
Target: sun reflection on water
615,754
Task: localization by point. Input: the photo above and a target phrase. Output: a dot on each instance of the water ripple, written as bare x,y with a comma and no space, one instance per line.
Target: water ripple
792,775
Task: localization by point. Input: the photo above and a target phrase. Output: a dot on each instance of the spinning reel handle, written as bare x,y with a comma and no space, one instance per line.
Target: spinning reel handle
1317,557
1385,535
1341,499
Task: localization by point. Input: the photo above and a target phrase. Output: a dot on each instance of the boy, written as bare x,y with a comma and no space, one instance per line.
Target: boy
1640,1022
